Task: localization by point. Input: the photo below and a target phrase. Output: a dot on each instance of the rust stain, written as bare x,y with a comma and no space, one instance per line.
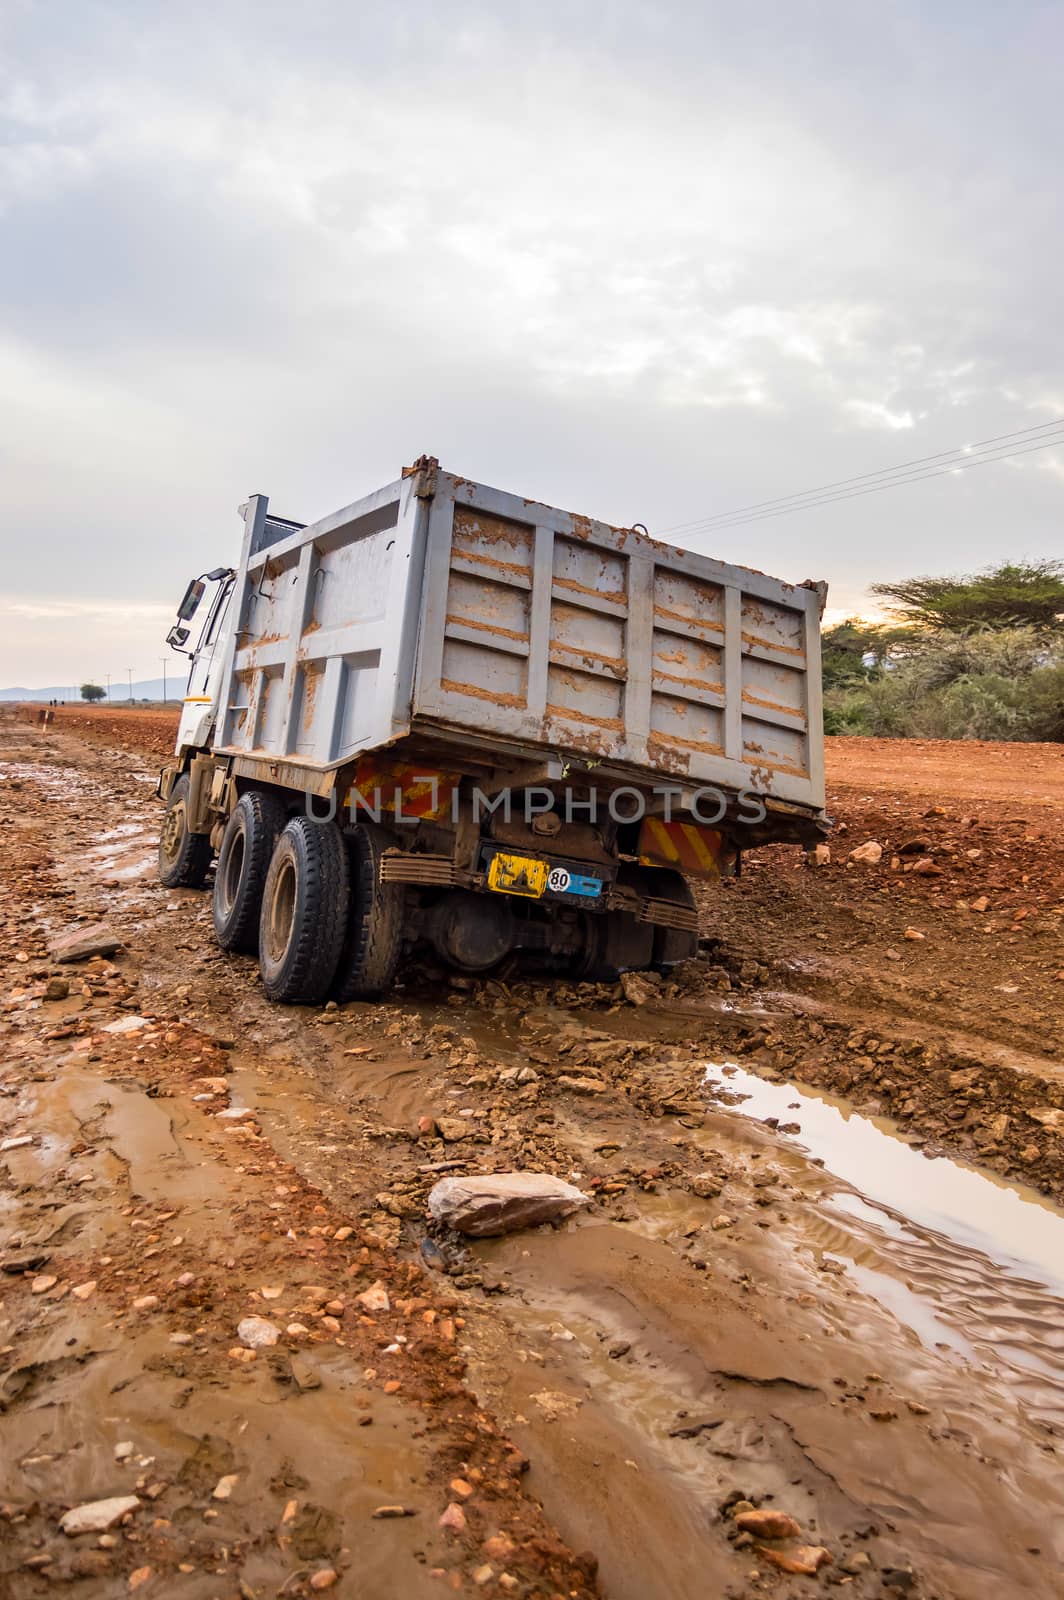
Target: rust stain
616,662
618,596
568,715
689,683
683,616
769,644
773,766
454,687
674,741
481,560
486,627
772,705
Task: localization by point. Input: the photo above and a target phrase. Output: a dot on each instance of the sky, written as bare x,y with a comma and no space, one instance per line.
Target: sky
649,262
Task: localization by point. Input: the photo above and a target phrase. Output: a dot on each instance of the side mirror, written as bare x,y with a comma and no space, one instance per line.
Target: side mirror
192,597
177,636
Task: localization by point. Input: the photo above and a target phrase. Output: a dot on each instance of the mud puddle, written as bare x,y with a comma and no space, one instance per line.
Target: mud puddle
965,1259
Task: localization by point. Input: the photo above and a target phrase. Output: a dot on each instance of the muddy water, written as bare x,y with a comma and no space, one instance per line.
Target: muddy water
968,1261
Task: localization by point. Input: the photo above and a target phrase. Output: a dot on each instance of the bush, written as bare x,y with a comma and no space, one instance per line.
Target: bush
985,683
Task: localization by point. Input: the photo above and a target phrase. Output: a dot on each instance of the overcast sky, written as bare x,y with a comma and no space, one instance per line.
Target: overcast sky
645,261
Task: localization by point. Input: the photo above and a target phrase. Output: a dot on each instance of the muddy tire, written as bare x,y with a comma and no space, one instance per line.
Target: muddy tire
672,945
304,912
243,862
616,943
374,935
184,857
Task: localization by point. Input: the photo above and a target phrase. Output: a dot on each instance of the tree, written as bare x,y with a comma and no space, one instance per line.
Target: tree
854,650
92,692
1014,594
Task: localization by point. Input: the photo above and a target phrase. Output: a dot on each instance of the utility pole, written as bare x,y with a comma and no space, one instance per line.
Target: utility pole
164,680
129,671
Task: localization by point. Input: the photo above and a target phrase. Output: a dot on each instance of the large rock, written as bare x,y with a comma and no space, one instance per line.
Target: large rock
78,944
503,1202
98,1515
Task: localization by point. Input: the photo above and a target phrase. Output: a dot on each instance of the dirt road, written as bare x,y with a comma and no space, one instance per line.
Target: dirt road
776,1298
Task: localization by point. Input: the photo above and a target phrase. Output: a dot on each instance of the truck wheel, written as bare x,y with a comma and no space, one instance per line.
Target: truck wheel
304,912
374,933
243,862
672,945
183,856
616,943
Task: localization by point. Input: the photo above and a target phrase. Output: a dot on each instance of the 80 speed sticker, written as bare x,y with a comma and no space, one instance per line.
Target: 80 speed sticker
561,881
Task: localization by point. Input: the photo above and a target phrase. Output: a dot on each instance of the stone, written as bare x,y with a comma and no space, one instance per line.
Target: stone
453,1519
124,1449
705,1185
225,1486
146,1302
138,1576
18,1141
979,904
914,934
42,1284
819,856
84,1291
638,989
375,1298
721,1222
383,1513
871,853
768,1524
503,1202
81,943
803,1559
452,1129
528,1075
859,1562
96,1516
56,989
255,1332
483,1575
581,1085
324,1578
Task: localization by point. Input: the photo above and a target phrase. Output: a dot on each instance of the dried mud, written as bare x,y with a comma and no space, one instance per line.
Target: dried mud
763,1305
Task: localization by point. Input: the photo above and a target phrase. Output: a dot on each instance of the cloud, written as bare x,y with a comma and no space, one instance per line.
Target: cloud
652,262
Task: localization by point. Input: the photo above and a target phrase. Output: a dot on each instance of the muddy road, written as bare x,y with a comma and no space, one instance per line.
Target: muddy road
822,1275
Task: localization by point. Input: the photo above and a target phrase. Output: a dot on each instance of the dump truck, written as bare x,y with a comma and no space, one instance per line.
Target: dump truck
453,720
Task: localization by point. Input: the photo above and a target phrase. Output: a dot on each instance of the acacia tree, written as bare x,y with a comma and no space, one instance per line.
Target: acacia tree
92,692
1014,594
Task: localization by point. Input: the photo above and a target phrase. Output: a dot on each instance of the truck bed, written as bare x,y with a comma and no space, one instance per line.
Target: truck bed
441,607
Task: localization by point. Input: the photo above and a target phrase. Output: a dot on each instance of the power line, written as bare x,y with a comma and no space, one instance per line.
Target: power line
877,488
861,477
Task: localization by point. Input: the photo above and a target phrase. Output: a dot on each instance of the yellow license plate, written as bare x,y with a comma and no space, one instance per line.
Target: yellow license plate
518,875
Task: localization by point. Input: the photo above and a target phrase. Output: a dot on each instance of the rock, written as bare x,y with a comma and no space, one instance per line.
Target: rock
461,1488
638,988
705,1185
453,1519
857,1563
768,1524
324,1578
619,1348
483,1575
146,1302
18,1141
56,989
452,1129
914,847
581,1085
81,943
871,853
97,1515
722,1222
375,1298
124,1450
225,1486
382,1513
84,1291
805,1559
979,904
42,1284
819,856
914,934
503,1202
255,1332
138,1576
528,1075
1048,1116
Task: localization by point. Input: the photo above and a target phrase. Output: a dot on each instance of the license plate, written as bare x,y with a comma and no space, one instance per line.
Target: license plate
518,875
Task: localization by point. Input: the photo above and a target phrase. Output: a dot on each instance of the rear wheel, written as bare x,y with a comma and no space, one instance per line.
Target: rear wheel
672,945
243,862
616,943
373,939
304,912
184,857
